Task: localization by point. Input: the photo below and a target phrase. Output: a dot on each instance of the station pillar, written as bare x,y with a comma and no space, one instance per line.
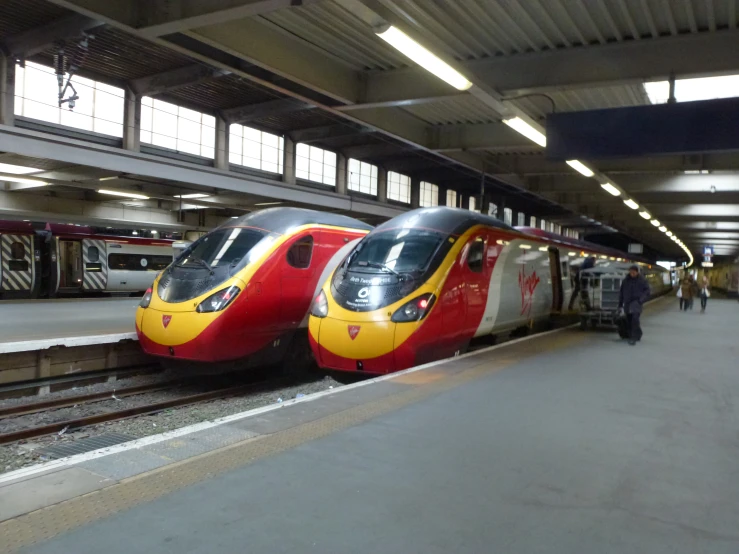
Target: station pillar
341,173
289,162
132,121
222,143
415,193
381,184
7,91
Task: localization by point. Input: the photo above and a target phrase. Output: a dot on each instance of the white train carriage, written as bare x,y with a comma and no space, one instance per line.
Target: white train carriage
19,260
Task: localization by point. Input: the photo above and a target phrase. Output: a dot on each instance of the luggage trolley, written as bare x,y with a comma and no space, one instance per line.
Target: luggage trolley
599,295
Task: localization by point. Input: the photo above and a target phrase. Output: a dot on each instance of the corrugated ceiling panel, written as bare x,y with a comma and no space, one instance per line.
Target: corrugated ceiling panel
465,109
17,16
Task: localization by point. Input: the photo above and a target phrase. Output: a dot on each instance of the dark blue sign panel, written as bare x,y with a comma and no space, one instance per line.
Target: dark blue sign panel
681,128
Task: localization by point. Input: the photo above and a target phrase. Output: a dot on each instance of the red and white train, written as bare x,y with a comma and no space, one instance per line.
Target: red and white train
68,260
423,285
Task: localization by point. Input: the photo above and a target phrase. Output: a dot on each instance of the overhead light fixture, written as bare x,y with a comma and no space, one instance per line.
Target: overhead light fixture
268,203
543,248
526,246
663,229
123,194
518,124
609,188
655,222
108,178
645,214
192,195
423,57
669,233
673,238
580,167
24,181
631,204
17,169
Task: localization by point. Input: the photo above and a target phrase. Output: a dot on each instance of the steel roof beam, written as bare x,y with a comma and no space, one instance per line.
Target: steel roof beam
617,63
174,79
251,112
327,132
33,41
164,17
479,136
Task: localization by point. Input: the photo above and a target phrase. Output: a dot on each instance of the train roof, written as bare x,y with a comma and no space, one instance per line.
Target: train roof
579,244
280,220
452,221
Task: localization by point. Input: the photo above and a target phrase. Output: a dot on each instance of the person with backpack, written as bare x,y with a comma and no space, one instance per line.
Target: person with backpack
634,293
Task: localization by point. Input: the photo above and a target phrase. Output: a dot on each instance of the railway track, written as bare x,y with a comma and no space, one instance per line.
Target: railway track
78,423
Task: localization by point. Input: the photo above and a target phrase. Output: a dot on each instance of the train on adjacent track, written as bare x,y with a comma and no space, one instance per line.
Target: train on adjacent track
239,296
423,285
70,260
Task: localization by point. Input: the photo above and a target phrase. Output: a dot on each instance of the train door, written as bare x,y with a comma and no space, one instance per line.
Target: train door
296,280
69,266
556,271
17,266
477,281
566,279
95,265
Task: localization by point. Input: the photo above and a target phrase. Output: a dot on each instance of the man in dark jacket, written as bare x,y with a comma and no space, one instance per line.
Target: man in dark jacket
634,293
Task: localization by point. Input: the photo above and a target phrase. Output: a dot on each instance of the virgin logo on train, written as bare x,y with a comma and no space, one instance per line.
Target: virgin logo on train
527,284
165,320
363,293
353,331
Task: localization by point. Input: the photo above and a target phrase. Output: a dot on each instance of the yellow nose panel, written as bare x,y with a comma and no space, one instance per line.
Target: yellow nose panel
359,340
174,328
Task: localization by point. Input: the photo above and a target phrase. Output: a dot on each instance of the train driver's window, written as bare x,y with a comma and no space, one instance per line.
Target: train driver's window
93,254
475,255
17,251
300,253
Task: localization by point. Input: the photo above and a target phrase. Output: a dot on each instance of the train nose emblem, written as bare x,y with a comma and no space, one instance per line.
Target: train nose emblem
353,331
165,320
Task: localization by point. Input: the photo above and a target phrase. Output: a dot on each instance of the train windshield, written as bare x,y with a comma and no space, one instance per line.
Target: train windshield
221,248
210,261
396,252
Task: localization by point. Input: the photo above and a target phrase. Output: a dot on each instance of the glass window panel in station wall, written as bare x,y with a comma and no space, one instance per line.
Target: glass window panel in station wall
429,196
315,164
256,149
508,216
99,107
472,204
398,187
521,219
170,126
451,198
362,177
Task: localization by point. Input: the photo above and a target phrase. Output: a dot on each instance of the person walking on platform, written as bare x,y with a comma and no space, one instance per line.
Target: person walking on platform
634,293
686,298
704,293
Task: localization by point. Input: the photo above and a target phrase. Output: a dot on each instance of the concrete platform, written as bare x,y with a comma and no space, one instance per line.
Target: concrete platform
40,324
567,442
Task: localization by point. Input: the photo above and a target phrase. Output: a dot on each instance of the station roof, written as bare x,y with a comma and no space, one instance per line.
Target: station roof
316,70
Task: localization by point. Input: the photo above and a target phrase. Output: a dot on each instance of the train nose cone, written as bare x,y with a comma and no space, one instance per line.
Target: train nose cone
356,345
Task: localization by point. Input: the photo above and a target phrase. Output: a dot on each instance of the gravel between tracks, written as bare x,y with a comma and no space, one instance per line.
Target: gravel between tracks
22,454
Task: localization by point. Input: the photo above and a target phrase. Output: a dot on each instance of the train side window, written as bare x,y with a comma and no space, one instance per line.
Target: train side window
475,255
158,263
17,251
565,270
300,253
93,254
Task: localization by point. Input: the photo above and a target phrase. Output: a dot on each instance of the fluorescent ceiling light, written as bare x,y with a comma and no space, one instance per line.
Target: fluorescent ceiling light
631,204
609,188
192,195
526,246
423,57
124,194
663,229
696,172
28,182
656,223
669,233
268,204
577,165
17,169
108,178
526,130
645,214
689,90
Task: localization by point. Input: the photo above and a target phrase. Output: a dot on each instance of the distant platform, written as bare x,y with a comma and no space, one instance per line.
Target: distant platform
41,324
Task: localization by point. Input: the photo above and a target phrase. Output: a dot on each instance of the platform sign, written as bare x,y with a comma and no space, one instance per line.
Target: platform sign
708,250
636,248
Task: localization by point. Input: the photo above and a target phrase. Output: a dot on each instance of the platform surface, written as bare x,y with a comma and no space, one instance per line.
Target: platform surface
50,321
565,443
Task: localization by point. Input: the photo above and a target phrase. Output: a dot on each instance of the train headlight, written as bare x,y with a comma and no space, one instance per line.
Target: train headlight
218,301
146,300
319,308
415,310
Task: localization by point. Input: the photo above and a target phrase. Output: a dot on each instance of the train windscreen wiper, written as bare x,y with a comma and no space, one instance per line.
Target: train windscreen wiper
199,261
385,267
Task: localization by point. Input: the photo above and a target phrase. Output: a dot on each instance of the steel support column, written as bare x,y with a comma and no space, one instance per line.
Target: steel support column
341,186
223,138
132,121
290,160
415,193
381,184
7,91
